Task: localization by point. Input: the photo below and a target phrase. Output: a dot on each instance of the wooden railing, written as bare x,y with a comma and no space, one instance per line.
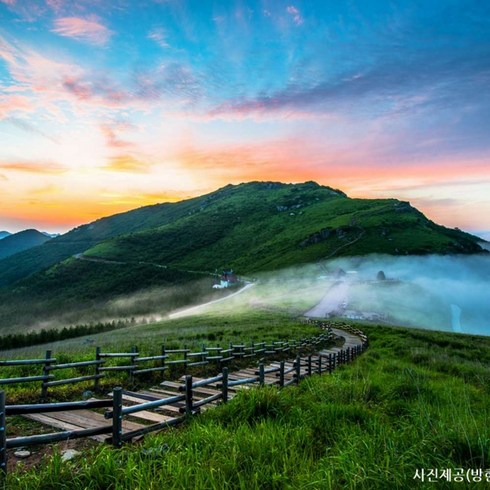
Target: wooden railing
135,365
311,364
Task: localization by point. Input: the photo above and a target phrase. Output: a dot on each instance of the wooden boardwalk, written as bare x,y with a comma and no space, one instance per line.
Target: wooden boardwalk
86,419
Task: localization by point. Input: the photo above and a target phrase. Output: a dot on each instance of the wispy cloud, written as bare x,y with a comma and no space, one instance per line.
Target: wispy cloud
35,168
126,163
13,103
113,140
158,35
295,14
85,30
29,128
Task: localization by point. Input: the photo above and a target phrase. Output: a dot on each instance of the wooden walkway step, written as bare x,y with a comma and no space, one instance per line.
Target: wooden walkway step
79,419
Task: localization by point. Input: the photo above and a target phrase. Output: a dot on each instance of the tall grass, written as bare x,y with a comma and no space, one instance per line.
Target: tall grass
369,425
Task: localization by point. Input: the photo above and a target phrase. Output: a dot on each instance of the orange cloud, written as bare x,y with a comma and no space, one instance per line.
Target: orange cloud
37,168
90,31
126,163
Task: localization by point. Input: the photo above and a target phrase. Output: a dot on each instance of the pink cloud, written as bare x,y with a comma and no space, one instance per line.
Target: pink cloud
56,5
8,2
14,103
296,14
112,139
90,31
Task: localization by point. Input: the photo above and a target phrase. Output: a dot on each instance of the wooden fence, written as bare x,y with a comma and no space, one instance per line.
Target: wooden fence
135,365
115,411
313,364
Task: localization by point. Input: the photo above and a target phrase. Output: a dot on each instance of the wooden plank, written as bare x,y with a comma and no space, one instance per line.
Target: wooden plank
80,419
151,416
86,419
196,393
46,419
207,390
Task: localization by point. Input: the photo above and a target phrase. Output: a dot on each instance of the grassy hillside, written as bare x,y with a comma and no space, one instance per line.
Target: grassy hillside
415,400
254,227
246,226
79,291
86,236
251,227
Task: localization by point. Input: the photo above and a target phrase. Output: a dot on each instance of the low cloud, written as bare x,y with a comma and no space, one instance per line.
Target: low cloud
32,167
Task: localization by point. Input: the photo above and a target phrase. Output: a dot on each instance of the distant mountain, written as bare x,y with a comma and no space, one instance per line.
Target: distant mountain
23,240
50,235
4,234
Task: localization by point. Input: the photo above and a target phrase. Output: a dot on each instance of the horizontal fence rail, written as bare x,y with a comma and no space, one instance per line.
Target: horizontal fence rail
51,374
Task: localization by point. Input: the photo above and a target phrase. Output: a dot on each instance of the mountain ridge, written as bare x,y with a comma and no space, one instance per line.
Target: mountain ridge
318,218
23,240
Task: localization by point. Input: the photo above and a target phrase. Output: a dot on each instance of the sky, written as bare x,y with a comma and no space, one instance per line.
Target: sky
109,106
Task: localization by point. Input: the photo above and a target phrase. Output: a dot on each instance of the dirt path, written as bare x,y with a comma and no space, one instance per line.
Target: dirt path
334,301
193,310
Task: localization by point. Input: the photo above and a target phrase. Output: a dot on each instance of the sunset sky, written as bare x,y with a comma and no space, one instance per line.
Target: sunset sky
110,105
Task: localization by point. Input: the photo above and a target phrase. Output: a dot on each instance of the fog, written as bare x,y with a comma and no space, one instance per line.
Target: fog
434,292
429,285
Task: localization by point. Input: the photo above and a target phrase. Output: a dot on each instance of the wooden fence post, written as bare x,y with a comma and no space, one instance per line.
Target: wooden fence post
162,360
44,386
281,374
298,369
261,374
134,350
97,369
224,385
319,364
185,358
188,395
309,365
3,436
117,417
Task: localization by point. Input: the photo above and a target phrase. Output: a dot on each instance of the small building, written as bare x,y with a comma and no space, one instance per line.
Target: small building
228,278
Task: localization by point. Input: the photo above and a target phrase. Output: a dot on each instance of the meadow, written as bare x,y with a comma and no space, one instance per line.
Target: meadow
416,400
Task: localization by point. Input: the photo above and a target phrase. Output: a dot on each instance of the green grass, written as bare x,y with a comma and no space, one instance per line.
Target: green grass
415,399
192,332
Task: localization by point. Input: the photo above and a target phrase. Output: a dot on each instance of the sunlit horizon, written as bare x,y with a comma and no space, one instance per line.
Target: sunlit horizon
104,109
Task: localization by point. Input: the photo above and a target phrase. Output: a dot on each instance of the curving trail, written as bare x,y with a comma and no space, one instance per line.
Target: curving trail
198,309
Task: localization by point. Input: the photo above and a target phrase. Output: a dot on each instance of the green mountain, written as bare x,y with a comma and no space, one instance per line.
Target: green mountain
4,234
17,242
250,227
